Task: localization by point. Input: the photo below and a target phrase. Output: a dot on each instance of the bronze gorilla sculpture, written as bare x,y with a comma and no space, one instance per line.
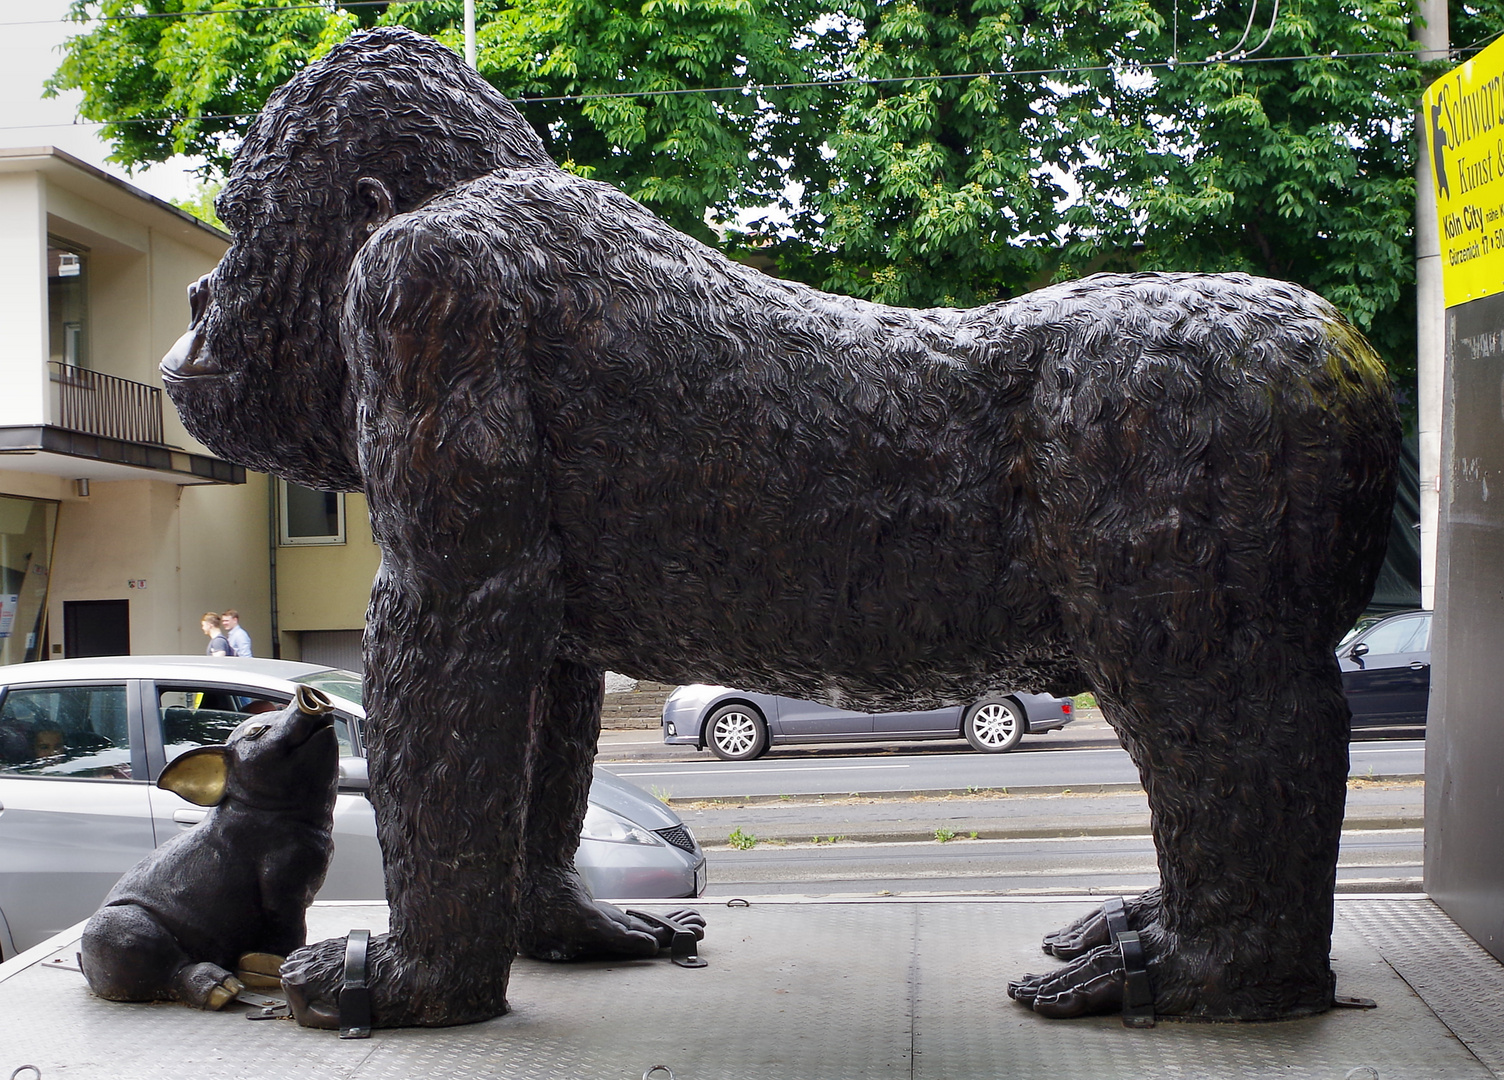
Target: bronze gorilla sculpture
589,442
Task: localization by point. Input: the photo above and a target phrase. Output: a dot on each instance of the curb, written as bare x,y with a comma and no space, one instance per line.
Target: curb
788,839
731,802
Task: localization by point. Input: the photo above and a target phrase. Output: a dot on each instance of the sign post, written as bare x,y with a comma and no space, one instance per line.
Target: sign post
1463,115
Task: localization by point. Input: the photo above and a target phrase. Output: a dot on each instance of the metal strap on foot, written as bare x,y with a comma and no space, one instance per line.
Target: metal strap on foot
355,995
684,947
1138,998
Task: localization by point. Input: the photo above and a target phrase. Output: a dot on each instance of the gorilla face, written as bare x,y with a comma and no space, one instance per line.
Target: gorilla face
260,376
379,126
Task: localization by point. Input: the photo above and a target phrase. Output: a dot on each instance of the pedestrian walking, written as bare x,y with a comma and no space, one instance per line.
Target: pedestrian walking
212,624
240,641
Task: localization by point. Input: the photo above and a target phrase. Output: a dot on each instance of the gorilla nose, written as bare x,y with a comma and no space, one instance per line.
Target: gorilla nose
198,299
187,358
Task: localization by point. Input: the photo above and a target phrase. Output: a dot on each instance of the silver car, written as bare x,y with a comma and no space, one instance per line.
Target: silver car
81,740
737,725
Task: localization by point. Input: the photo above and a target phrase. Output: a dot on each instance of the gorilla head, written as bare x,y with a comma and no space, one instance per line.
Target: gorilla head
382,124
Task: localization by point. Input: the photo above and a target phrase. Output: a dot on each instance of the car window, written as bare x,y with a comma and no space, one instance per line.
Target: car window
1400,636
66,731
205,715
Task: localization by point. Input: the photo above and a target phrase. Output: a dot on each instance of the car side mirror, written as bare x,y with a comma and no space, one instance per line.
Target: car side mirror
353,774
1358,652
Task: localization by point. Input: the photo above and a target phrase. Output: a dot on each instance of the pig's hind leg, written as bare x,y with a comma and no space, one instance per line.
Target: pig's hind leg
128,955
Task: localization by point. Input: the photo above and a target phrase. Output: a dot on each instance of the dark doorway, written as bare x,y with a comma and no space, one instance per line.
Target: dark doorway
96,627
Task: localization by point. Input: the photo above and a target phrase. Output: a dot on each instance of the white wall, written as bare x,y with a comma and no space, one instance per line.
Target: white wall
23,300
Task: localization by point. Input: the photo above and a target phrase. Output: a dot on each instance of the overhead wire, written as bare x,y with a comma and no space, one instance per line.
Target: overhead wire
754,88
1170,64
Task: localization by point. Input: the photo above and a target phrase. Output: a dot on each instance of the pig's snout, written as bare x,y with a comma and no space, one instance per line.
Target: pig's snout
313,702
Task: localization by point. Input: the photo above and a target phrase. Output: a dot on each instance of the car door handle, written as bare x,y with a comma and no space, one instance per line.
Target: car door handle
1417,665
189,818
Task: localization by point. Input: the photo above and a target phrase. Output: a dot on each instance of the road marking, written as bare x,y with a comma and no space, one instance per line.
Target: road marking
712,770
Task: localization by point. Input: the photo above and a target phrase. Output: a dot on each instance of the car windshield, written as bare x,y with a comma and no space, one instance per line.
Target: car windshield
343,685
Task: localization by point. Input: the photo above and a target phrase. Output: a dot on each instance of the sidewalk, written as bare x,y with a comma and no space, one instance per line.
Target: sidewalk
991,816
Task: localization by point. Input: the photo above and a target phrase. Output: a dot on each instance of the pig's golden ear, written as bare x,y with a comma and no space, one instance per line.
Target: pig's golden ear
198,776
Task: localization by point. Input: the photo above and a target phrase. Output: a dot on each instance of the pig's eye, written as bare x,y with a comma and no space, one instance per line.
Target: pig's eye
256,731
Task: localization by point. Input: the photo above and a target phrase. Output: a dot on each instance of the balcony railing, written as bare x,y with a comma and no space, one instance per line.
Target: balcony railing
104,405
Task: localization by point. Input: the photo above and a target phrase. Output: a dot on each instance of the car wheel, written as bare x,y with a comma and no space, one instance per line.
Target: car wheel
994,725
736,733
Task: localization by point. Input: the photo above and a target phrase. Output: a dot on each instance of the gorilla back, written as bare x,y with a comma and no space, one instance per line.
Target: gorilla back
588,441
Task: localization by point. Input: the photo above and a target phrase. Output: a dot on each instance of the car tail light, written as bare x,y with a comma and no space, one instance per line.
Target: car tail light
1065,707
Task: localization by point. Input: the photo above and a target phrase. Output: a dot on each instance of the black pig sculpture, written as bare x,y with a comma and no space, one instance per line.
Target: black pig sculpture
232,893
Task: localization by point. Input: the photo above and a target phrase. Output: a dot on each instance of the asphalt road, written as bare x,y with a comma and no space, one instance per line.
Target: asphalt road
1370,861
1084,769
1063,813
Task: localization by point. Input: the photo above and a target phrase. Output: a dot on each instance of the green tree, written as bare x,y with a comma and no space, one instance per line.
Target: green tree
610,76
911,151
1010,143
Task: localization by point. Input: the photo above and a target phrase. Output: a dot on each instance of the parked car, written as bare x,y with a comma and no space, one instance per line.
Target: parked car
81,740
1386,669
737,725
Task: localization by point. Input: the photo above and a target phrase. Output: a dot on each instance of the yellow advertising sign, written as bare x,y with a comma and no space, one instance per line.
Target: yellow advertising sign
1464,114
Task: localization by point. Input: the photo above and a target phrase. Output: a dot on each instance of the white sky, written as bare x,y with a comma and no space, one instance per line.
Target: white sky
30,33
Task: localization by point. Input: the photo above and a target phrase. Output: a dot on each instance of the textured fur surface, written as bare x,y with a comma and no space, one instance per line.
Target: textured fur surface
588,442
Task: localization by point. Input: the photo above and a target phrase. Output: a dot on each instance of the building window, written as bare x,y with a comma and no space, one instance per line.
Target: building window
310,517
67,302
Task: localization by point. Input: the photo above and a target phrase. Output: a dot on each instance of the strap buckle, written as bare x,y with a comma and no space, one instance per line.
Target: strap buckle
355,995
1138,996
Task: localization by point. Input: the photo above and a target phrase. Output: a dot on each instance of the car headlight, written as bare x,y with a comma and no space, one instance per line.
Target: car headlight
614,829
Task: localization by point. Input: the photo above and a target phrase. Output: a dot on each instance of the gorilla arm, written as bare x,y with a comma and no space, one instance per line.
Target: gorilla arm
461,637
462,624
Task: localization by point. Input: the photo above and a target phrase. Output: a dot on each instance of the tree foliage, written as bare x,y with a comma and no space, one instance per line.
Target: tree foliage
911,151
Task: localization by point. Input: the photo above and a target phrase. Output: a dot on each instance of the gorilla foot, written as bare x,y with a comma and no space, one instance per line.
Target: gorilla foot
1108,969
564,922
1091,984
1094,929
1123,959
313,978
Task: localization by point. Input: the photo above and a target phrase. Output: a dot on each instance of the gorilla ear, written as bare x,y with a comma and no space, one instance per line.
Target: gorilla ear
198,776
374,200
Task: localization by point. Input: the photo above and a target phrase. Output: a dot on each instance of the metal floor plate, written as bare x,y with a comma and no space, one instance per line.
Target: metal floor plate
809,990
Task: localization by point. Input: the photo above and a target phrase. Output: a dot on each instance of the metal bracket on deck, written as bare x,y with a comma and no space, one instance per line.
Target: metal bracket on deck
263,1007
684,947
355,995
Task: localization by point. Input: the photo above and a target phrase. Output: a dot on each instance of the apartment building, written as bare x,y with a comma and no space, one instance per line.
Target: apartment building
117,529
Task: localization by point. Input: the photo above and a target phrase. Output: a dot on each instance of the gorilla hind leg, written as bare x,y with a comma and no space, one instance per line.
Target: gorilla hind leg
1245,767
